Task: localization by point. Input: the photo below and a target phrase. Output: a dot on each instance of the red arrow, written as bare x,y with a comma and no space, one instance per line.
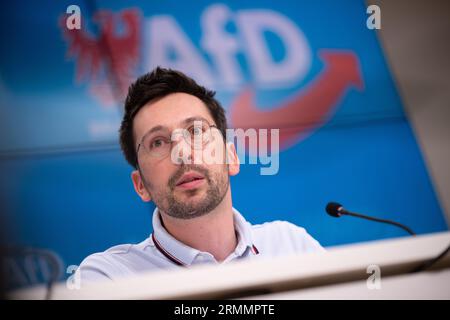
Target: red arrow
308,110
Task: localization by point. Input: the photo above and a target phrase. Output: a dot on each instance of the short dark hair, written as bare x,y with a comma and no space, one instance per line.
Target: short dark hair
157,84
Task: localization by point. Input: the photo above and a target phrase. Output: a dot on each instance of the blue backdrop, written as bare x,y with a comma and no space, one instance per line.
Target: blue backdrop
67,185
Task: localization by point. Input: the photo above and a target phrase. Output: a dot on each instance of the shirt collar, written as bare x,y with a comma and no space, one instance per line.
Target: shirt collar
182,254
244,233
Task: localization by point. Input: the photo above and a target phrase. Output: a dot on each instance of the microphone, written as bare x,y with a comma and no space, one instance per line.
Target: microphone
336,210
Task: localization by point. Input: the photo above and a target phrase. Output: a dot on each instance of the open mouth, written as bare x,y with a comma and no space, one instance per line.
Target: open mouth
190,180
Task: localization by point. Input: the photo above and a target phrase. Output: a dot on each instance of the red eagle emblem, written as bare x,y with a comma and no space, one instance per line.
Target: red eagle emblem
108,60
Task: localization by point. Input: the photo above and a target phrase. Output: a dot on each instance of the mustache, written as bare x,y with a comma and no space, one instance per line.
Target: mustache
185,168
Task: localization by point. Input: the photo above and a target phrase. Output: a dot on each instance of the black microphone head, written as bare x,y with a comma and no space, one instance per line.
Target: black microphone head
333,208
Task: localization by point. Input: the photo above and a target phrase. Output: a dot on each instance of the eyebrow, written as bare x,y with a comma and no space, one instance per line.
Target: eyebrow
184,122
195,118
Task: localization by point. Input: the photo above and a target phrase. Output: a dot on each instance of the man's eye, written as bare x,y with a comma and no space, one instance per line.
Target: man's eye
196,130
157,143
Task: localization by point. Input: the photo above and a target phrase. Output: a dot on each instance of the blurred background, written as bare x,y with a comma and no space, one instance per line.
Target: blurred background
365,118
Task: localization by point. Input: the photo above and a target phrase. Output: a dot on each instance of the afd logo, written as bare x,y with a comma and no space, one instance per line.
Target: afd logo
125,41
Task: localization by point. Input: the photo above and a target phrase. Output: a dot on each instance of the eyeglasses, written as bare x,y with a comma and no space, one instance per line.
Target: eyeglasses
159,144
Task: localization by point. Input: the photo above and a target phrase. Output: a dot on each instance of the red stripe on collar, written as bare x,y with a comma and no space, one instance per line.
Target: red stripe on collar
165,253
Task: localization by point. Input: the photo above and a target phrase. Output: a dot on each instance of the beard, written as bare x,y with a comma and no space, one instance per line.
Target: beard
171,204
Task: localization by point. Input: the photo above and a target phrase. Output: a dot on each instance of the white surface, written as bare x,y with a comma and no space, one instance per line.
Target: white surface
426,285
339,264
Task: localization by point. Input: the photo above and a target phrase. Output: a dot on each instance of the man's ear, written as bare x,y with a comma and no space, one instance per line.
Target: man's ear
233,159
139,186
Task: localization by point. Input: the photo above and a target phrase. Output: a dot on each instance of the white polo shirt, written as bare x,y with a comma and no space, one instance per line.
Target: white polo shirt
162,251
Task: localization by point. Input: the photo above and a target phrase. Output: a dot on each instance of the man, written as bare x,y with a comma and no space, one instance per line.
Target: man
170,123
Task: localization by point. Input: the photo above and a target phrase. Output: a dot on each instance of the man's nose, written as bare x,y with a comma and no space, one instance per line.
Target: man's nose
185,151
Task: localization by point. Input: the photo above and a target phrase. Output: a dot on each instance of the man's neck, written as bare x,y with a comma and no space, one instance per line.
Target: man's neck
213,232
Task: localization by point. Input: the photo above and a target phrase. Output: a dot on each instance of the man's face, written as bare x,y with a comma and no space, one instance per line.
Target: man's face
167,183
